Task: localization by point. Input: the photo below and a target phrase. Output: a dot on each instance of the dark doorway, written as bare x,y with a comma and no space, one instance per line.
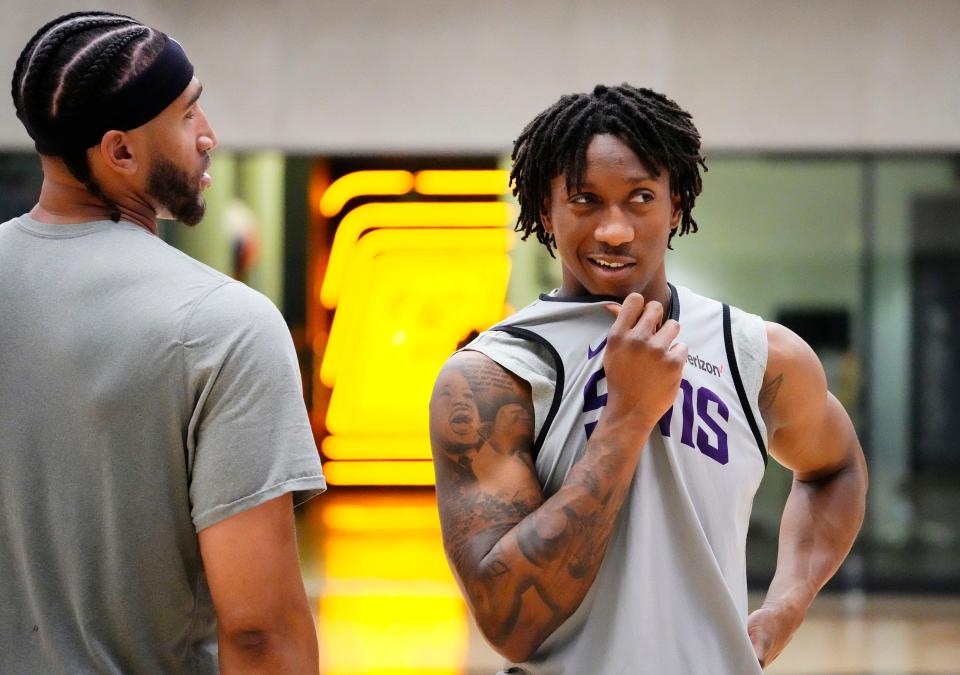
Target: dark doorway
936,333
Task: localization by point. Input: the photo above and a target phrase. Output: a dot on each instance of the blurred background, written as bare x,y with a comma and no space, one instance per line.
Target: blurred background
360,183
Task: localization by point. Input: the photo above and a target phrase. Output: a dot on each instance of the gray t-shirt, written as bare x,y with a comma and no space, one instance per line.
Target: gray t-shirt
143,397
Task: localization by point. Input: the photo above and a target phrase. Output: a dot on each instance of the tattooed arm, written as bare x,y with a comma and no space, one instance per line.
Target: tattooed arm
525,563
810,433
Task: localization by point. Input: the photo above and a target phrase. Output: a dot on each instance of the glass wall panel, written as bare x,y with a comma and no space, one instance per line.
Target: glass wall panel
912,537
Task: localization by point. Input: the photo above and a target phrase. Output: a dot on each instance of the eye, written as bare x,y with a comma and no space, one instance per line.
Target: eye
581,198
642,196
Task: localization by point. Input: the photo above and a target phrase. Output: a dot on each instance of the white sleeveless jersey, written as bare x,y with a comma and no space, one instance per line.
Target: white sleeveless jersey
670,597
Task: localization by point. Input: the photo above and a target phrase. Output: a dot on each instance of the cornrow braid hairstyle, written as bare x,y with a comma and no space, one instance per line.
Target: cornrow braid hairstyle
72,62
659,131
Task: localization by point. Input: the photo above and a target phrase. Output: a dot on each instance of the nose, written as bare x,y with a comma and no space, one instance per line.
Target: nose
614,227
207,140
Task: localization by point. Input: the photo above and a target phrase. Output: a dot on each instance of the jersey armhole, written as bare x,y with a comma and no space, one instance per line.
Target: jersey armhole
525,334
738,383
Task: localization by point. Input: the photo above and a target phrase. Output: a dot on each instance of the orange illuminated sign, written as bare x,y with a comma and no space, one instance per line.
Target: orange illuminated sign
408,281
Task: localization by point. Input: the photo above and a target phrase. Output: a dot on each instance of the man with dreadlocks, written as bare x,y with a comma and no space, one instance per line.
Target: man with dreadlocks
153,436
596,477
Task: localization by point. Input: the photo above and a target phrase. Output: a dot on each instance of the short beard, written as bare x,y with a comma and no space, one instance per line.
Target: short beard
173,188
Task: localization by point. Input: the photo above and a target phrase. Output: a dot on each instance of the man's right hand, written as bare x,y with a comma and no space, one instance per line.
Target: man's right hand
642,364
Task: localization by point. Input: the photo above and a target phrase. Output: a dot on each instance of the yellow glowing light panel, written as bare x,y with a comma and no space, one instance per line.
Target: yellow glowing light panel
363,183
417,215
378,513
392,472
408,281
372,447
431,182
405,311
484,182
446,247
389,603
392,633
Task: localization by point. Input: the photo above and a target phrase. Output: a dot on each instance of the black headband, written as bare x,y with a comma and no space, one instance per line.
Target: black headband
134,104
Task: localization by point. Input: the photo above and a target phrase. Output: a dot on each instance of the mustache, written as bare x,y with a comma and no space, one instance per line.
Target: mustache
606,249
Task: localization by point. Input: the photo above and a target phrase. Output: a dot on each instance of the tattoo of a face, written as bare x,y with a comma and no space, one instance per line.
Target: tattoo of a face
504,538
478,407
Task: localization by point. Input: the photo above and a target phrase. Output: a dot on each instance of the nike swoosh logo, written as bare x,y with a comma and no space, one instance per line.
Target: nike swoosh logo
591,352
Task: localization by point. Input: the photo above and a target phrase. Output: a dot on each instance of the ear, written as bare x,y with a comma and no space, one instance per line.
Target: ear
676,212
118,154
545,219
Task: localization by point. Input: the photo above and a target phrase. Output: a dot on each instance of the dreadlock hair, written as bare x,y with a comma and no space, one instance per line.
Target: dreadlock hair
659,131
73,61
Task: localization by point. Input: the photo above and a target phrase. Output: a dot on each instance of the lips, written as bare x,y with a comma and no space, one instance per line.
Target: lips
463,424
611,264
205,179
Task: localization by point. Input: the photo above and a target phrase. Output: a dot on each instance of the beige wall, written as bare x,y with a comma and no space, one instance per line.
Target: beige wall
433,75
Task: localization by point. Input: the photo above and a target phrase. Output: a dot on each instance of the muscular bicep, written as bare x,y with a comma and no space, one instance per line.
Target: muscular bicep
481,430
809,431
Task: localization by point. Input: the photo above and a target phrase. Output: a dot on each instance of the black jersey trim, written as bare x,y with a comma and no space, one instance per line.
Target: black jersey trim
674,300
546,297
738,383
558,387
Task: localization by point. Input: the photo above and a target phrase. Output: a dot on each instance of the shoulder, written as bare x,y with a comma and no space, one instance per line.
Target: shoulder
231,307
176,260
788,351
475,382
496,343
689,300
480,372
749,334
529,360
744,334
231,299
794,383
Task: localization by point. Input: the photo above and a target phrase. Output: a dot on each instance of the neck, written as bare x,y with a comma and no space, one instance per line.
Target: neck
657,289
660,291
64,200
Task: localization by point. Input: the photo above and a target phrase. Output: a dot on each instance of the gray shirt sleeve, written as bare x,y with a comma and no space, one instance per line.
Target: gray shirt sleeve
249,439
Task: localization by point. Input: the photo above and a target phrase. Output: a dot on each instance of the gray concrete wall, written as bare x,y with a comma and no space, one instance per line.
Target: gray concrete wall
428,75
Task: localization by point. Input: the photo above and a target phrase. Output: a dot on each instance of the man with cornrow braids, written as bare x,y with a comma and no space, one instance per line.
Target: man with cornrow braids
153,435
597,453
